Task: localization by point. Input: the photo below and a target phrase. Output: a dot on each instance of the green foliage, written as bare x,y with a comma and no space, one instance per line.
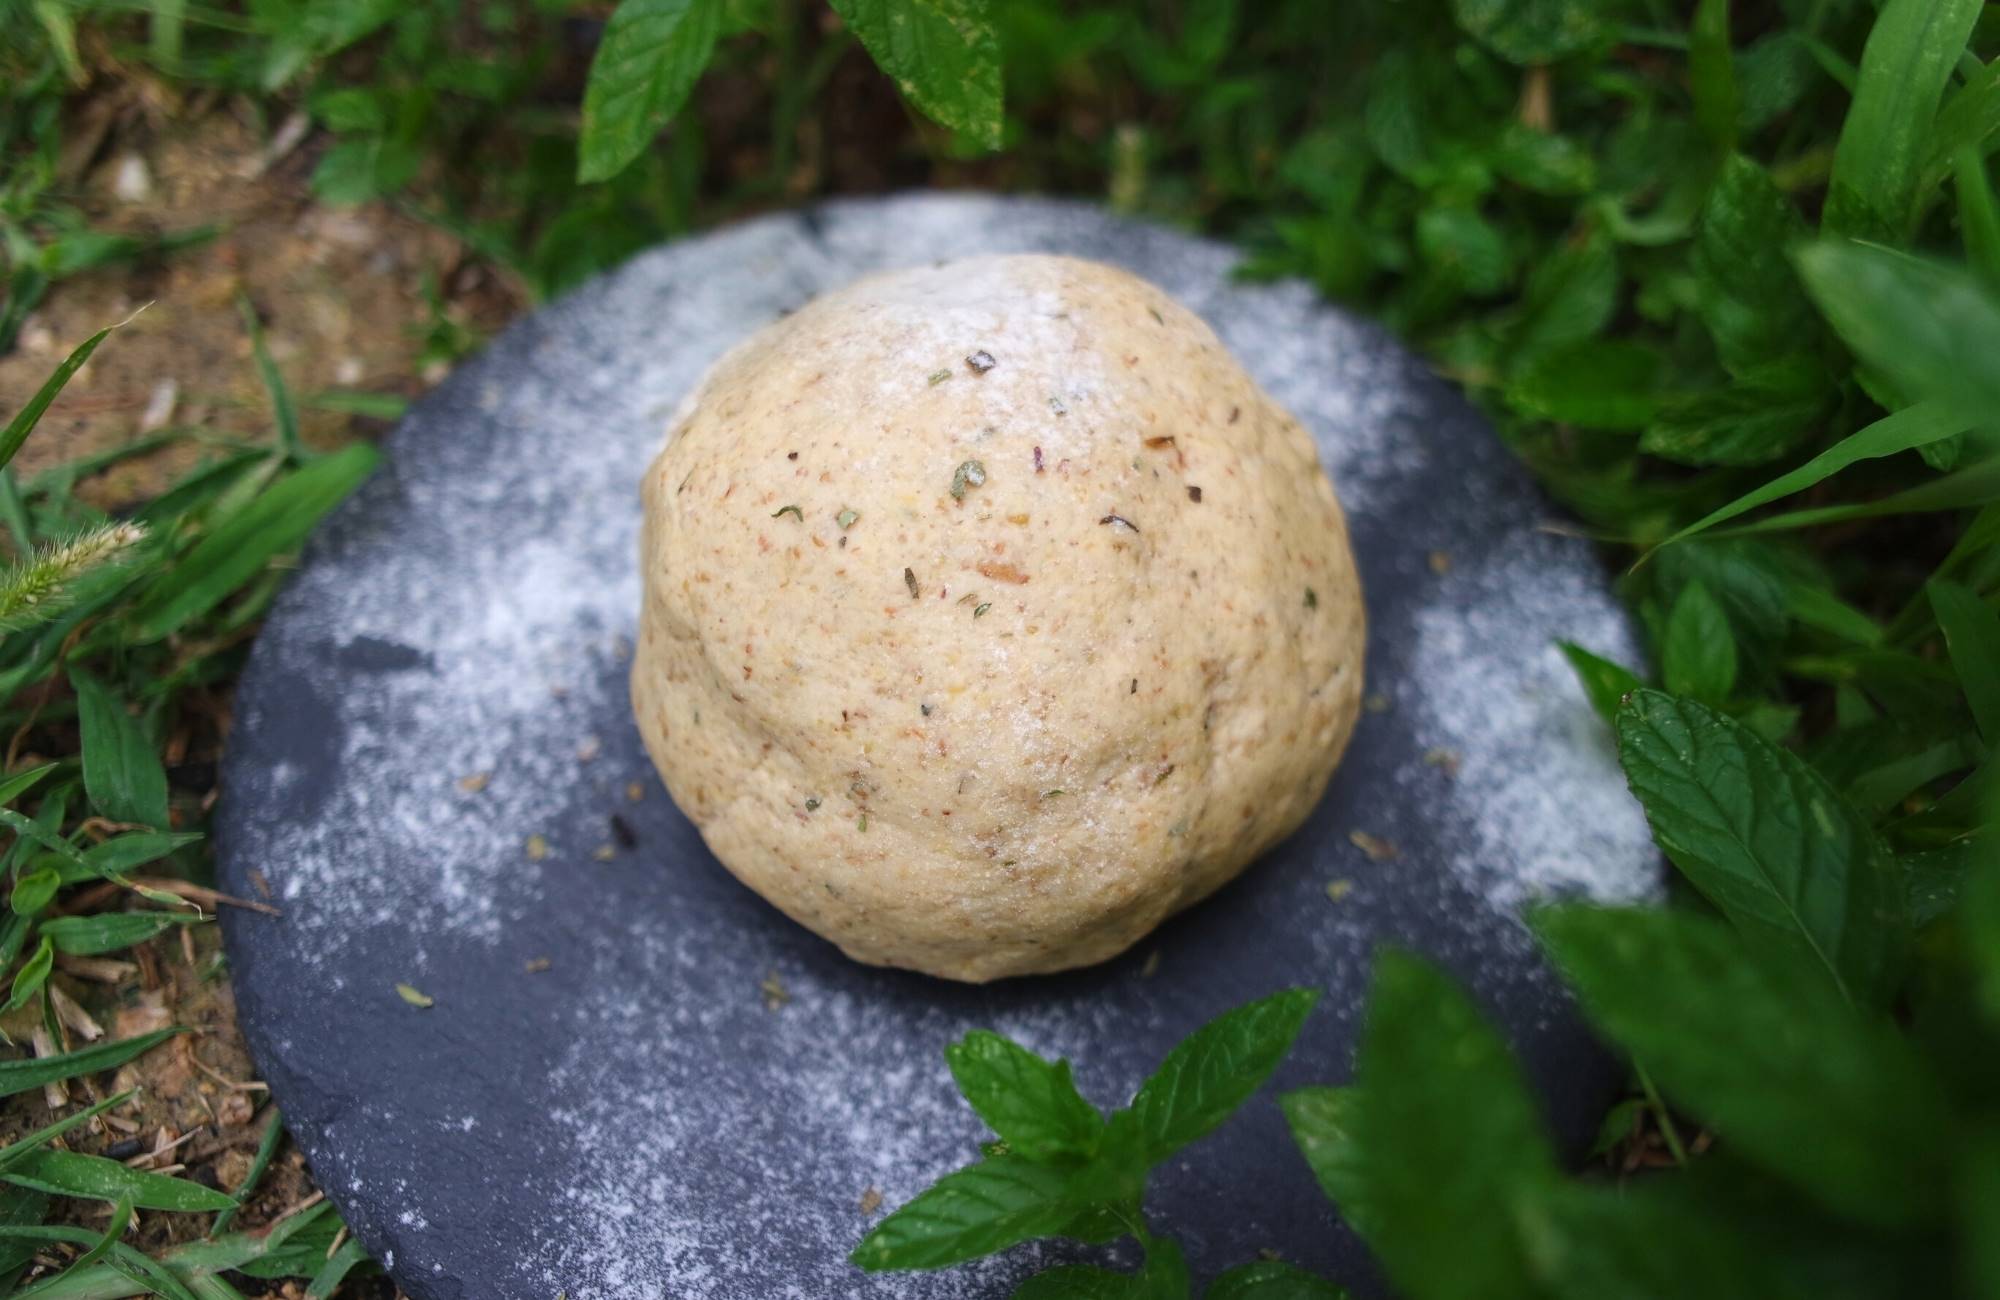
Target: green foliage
1064,1170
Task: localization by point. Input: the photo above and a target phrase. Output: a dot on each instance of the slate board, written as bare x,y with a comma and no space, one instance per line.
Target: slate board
634,1120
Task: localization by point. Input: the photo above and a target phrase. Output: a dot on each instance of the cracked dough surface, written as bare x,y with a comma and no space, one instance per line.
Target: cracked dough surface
992,614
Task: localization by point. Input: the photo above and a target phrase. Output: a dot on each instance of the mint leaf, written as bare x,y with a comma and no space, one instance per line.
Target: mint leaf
1165,1276
1449,1140
1271,1280
1030,1103
1648,1240
1718,101
981,1208
1756,1042
1767,411
652,53
1599,384
1080,1282
1699,654
1605,683
1215,1069
944,55
1532,31
121,771
1924,326
1766,839
1971,630
1905,67
1323,1124
1748,295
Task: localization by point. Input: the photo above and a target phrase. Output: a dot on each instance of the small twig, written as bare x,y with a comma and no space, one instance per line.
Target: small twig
54,1093
99,970
1668,1132
147,1157
223,1079
301,1207
339,1240
204,895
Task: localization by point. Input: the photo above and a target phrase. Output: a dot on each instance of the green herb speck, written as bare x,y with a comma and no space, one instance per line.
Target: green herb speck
937,377
981,608
414,997
789,510
846,518
910,581
861,823
1312,599
812,804
969,474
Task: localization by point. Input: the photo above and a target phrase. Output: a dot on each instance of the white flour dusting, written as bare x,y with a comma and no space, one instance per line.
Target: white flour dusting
478,651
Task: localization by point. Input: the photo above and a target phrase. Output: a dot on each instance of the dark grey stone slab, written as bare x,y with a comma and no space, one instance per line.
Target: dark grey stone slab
634,1121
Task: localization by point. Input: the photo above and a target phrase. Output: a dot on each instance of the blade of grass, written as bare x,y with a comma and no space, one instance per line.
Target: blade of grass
1906,430
1974,486
282,410
121,1219
24,422
21,1076
1971,630
22,1146
267,1147
337,1268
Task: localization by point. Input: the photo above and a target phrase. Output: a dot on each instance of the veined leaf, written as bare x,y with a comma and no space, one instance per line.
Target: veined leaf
121,769
1431,1166
1756,1042
70,1173
1926,326
102,932
652,53
1698,657
1595,1242
1031,1104
1909,58
23,1075
1216,1069
1323,1124
1271,1280
1750,298
1764,413
1532,31
944,55
1766,839
979,1209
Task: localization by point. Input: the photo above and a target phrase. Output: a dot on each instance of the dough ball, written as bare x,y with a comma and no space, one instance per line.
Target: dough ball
992,615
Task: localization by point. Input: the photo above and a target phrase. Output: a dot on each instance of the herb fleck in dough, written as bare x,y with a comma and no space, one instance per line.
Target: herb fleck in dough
874,751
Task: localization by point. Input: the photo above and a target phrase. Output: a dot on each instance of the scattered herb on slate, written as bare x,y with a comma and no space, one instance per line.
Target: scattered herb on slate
414,997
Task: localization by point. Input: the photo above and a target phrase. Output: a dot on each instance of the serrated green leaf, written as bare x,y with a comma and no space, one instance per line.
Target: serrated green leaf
1432,1165
1755,1041
1929,328
1466,248
71,1173
1532,31
652,53
944,55
1568,298
1030,1103
1749,296
1971,630
121,769
1908,60
1902,431
1698,655
1323,1123
1271,1280
1767,840
977,1210
1768,410
241,545
1542,162
1605,683
1216,1069
102,932
1598,384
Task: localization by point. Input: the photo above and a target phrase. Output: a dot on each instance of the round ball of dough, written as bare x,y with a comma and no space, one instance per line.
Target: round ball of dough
992,615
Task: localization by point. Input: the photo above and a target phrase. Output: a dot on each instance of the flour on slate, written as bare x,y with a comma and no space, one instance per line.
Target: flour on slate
472,647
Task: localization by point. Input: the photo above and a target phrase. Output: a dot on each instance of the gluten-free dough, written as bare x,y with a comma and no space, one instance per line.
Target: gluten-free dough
992,615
